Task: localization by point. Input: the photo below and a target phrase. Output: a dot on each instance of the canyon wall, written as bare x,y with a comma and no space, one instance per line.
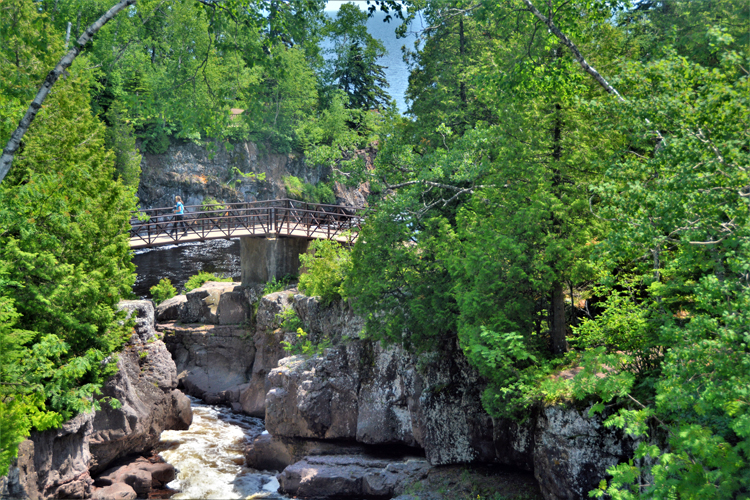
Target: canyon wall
356,397
196,172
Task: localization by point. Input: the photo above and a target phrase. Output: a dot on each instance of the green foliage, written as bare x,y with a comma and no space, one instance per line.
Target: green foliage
121,140
198,280
277,285
280,95
689,343
324,270
238,176
163,291
64,252
303,345
353,64
210,204
289,320
519,185
303,191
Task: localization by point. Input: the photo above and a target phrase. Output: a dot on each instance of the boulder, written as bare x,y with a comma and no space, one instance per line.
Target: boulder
362,391
146,385
142,311
314,398
118,491
336,321
388,397
514,441
170,309
269,452
450,410
210,359
351,476
141,475
218,303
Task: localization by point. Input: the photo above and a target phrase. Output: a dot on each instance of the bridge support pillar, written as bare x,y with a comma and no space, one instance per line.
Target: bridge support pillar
263,259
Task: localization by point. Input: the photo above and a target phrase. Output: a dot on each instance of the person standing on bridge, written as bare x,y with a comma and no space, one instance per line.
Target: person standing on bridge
179,211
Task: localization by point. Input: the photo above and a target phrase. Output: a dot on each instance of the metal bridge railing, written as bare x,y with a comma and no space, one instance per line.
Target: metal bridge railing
283,217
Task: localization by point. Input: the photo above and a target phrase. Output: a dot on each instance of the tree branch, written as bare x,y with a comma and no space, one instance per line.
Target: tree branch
576,53
15,140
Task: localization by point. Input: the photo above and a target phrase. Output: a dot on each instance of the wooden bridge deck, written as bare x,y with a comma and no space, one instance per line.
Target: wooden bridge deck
274,218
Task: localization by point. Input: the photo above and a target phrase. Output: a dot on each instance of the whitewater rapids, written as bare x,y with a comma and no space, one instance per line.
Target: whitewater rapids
209,457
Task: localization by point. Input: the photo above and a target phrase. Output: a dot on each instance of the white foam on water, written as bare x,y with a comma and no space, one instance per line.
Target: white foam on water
209,457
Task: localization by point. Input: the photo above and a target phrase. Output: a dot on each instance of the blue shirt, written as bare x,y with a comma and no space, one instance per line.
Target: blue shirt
179,208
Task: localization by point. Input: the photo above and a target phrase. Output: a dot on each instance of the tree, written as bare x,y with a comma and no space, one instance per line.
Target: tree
15,139
64,261
679,219
121,140
353,67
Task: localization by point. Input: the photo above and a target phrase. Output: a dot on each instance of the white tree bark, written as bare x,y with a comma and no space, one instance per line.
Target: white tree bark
15,139
576,53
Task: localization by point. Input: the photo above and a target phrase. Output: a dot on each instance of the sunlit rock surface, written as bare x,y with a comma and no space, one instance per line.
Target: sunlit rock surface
146,385
351,476
52,464
360,391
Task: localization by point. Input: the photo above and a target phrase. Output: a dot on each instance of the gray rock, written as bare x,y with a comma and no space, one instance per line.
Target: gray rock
53,463
170,309
145,384
572,452
269,452
141,475
314,398
450,411
143,312
210,359
336,321
350,476
388,397
218,303
56,463
195,173
361,390
514,442
268,351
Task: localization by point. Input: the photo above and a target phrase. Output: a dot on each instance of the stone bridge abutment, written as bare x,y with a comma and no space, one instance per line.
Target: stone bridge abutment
265,259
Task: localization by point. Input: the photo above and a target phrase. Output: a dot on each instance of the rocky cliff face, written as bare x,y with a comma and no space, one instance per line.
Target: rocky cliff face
194,172
358,397
59,463
360,391
146,385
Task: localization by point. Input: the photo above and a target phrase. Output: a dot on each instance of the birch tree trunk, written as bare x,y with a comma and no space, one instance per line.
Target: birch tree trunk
576,53
15,139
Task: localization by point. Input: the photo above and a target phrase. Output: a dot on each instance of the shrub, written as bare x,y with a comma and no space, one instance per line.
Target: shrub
294,186
310,193
197,281
278,285
163,291
326,267
290,322
304,345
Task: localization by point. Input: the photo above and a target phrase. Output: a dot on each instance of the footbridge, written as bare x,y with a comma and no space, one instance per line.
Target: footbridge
272,233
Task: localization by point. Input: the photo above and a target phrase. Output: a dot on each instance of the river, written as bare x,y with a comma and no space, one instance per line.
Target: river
209,457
